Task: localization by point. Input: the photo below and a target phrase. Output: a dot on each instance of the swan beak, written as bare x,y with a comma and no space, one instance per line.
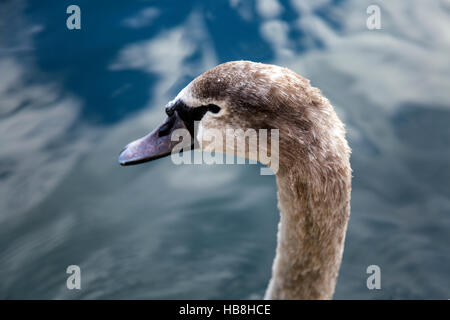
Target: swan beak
156,144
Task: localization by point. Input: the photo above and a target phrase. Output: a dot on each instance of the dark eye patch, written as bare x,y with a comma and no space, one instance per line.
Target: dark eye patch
190,115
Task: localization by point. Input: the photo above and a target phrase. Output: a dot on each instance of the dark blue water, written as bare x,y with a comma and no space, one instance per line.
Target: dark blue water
71,99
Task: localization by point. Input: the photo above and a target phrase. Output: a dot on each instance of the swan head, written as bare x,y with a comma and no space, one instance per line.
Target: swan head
235,97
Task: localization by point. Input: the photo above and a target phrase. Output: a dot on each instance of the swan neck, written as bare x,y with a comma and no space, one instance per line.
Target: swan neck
311,235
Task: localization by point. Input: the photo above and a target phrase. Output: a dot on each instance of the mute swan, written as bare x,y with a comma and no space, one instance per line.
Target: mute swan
314,175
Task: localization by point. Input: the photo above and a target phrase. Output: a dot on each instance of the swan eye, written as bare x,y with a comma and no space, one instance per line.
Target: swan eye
213,108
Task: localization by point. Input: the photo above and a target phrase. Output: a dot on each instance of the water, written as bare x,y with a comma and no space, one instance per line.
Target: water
70,100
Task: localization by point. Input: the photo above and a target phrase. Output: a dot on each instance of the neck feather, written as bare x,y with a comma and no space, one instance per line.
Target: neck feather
313,220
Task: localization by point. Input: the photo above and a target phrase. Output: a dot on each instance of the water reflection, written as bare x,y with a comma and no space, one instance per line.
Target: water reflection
70,101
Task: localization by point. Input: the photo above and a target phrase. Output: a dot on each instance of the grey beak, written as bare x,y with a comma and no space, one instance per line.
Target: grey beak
156,144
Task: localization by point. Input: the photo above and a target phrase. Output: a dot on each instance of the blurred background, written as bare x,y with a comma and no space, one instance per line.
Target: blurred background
71,99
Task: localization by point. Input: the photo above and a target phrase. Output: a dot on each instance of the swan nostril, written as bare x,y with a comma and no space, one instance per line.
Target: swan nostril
164,130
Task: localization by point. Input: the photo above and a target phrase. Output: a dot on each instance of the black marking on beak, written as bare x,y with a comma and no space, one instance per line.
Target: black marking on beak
158,143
